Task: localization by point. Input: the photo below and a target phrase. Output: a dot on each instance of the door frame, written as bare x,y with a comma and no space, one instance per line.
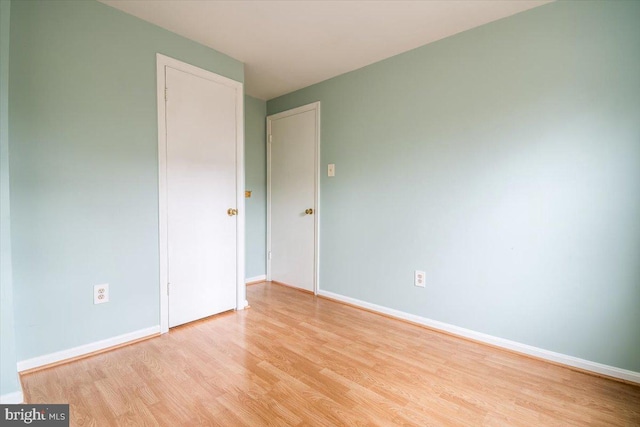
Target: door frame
163,61
314,106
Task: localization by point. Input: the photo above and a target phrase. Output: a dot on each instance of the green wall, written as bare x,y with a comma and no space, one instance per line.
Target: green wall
505,162
8,374
255,111
84,169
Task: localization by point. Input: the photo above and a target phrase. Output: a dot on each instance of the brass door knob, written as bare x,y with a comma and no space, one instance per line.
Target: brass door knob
309,211
232,212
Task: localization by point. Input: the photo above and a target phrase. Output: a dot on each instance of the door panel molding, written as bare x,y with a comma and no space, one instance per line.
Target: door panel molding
315,106
162,62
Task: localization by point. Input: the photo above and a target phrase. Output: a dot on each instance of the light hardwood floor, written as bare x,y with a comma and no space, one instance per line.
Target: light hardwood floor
294,359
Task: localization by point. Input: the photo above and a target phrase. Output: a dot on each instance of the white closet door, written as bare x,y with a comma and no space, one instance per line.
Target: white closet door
201,187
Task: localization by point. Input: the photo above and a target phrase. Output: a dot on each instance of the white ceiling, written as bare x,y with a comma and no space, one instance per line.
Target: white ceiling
288,45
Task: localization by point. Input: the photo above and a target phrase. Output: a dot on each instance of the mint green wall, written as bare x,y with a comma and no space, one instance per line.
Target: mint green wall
255,113
83,143
8,373
503,161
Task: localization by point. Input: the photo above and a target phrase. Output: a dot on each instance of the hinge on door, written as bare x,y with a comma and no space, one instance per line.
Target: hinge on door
168,284
270,138
165,94
269,255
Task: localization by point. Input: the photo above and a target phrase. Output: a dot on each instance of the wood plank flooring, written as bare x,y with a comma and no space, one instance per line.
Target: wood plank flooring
294,359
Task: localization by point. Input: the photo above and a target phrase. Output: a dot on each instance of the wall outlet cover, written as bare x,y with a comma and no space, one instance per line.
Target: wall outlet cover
419,278
101,293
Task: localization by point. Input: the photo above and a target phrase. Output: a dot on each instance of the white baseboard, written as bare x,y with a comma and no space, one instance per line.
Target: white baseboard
560,358
12,398
82,350
260,278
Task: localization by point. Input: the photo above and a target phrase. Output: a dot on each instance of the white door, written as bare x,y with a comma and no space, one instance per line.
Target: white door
201,188
293,148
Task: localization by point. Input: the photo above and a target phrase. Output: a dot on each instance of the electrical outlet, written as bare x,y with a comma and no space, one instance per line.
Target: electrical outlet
419,278
101,293
331,170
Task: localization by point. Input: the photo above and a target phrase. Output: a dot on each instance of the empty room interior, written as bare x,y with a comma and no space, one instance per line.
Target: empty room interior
321,212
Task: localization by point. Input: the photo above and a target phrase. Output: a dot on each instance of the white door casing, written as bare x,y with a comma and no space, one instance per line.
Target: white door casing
293,154
201,175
